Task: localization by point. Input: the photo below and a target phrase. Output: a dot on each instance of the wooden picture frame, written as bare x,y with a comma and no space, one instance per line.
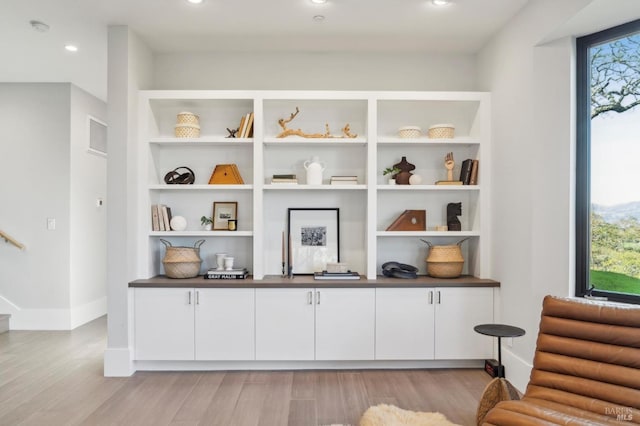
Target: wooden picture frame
314,239
223,211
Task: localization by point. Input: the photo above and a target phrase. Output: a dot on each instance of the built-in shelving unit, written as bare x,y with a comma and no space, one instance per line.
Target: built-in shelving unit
366,209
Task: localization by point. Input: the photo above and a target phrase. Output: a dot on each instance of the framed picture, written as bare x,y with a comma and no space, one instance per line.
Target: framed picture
223,212
314,239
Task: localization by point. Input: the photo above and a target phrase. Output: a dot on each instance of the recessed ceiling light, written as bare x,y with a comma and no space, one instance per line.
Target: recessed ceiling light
71,47
440,2
195,1
39,26
318,18
318,1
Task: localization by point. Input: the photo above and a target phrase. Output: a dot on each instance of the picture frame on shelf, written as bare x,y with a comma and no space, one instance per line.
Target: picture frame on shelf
314,239
223,212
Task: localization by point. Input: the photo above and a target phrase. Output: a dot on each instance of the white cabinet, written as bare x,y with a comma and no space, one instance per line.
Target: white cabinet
366,208
163,323
432,323
194,324
285,324
404,323
345,323
308,324
457,311
224,324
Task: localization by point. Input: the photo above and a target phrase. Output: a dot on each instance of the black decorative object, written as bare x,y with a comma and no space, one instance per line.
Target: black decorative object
453,211
180,176
232,132
403,177
399,270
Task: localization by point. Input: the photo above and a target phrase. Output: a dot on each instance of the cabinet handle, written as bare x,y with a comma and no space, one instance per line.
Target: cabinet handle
431,297
310,298
189,296
197,297
438,297
317,297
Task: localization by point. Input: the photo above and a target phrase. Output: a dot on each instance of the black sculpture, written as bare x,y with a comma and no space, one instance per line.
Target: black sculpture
232,132
453,211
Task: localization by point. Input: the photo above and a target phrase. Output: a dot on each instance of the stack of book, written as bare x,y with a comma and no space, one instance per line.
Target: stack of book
469,172
245,130
284,179
344,180
324,275
227,274
160,217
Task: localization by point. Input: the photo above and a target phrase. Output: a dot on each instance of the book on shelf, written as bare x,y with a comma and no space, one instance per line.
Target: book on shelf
160,219
465,171
225,276
474,173
281,181
155,225
344,180
166,217
287,178
324,275
449,182
248,128
240,271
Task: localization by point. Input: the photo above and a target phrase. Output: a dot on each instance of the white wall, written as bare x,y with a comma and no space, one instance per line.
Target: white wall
533,97
88,222
130,64
34,284
315,71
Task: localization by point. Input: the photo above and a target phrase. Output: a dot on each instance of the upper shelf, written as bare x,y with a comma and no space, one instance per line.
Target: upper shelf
300,141
201,141
394,140
213,187
428,187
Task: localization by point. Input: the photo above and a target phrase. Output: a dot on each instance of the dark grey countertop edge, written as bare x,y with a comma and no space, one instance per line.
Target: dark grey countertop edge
308,281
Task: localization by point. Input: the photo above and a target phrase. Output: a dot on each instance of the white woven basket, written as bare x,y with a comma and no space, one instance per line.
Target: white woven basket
441,131
187,117
187,131
409,132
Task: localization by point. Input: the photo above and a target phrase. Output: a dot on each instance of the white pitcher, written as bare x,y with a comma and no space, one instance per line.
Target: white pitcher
314,171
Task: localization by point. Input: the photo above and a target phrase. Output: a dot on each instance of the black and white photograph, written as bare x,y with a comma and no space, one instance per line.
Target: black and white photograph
223,212
314,236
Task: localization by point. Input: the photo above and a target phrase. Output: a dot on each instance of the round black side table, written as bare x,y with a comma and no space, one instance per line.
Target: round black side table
499,331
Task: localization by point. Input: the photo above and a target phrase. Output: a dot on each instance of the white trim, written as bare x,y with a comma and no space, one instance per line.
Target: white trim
82,314
517,370
117,362
297,365
40,319
90,150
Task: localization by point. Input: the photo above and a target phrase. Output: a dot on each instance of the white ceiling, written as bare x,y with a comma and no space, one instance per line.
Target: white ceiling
233,25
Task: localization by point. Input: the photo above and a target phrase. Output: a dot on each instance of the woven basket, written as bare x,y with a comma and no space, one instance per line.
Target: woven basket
445,261
409,132
182,262
187,117
441,131
187,131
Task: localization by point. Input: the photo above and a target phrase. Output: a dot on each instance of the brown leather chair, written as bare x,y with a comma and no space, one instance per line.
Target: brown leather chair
586,369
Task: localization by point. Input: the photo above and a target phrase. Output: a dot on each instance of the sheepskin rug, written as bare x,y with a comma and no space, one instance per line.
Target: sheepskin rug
390,415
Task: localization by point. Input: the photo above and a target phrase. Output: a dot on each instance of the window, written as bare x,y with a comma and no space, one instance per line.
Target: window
608,164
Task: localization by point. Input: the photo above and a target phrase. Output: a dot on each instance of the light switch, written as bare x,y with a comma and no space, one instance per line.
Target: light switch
51,224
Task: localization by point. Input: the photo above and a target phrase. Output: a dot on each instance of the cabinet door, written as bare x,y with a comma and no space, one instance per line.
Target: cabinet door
458,310
404,323
164,324
284,324
345,322
225,323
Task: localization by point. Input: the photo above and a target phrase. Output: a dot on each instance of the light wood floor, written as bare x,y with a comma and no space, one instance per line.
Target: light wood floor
55,378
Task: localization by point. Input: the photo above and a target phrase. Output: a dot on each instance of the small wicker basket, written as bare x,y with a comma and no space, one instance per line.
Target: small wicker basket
441,131
187,131
445,261
187,117
182,262
410,132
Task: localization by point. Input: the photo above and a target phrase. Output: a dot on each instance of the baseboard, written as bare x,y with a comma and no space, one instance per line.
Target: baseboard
88,312
517,370
52,319
117,362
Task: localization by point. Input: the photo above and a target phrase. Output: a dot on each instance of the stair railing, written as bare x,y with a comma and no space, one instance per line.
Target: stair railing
9,239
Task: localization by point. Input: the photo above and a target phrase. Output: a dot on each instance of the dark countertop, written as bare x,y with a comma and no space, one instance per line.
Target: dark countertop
309,281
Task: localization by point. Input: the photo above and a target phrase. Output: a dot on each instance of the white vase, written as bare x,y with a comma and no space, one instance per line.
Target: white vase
392,181
208,227
314,171
220,261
